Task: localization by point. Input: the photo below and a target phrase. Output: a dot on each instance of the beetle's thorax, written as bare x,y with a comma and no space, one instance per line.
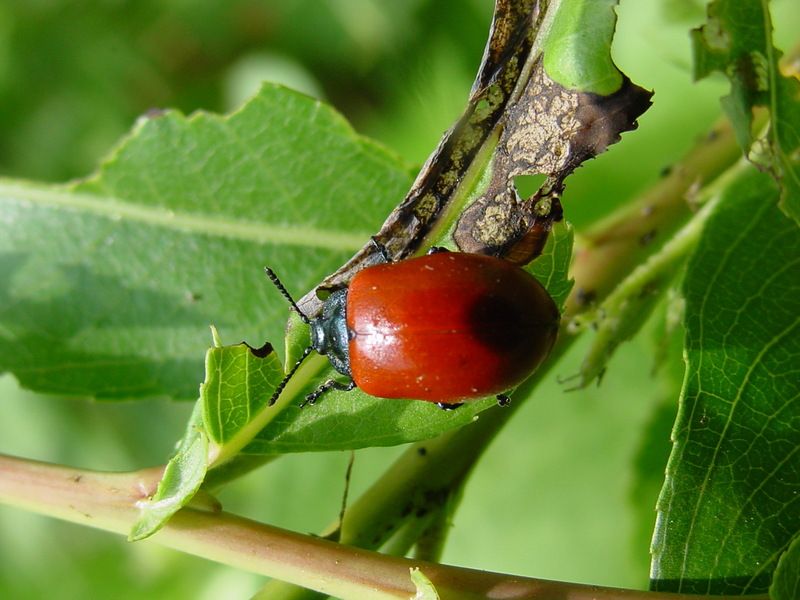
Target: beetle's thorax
329,334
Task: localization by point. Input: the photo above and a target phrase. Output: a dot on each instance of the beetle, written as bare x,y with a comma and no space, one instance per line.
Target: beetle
447,327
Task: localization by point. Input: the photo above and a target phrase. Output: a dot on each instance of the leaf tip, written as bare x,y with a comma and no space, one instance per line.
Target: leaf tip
217,341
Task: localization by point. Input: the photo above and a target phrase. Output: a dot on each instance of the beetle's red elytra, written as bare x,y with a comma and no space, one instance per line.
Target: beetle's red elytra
448,327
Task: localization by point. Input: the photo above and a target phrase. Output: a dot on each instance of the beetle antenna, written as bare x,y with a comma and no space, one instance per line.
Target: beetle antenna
274,279
288,376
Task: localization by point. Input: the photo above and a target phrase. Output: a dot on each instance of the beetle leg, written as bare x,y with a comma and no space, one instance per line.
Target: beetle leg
437,249
503,400
288,376
330,384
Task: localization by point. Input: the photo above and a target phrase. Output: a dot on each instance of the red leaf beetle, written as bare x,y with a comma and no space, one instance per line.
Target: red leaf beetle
448,327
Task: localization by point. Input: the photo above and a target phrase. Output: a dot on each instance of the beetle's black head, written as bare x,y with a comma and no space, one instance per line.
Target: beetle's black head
329,335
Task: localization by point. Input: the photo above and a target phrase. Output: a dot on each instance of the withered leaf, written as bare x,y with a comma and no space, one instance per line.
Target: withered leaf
518,121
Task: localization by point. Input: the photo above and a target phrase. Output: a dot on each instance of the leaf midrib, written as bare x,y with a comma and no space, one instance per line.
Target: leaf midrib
182,221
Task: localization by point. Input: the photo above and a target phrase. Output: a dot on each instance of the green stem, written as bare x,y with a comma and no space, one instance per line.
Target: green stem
607,253
623,312
108,501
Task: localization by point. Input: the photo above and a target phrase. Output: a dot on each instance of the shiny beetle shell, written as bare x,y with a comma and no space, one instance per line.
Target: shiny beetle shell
447,327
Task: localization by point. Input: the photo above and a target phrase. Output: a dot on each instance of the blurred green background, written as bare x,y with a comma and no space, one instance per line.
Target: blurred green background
567,492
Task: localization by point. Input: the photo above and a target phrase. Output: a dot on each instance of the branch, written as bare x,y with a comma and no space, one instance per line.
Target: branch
607,253
108,502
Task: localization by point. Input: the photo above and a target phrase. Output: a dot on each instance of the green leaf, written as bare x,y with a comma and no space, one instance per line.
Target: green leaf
786,583
107,286
425,589
785,143
734,42
182,478
232,408
729,506
577,52
737,41
552,267
239,383
351,420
